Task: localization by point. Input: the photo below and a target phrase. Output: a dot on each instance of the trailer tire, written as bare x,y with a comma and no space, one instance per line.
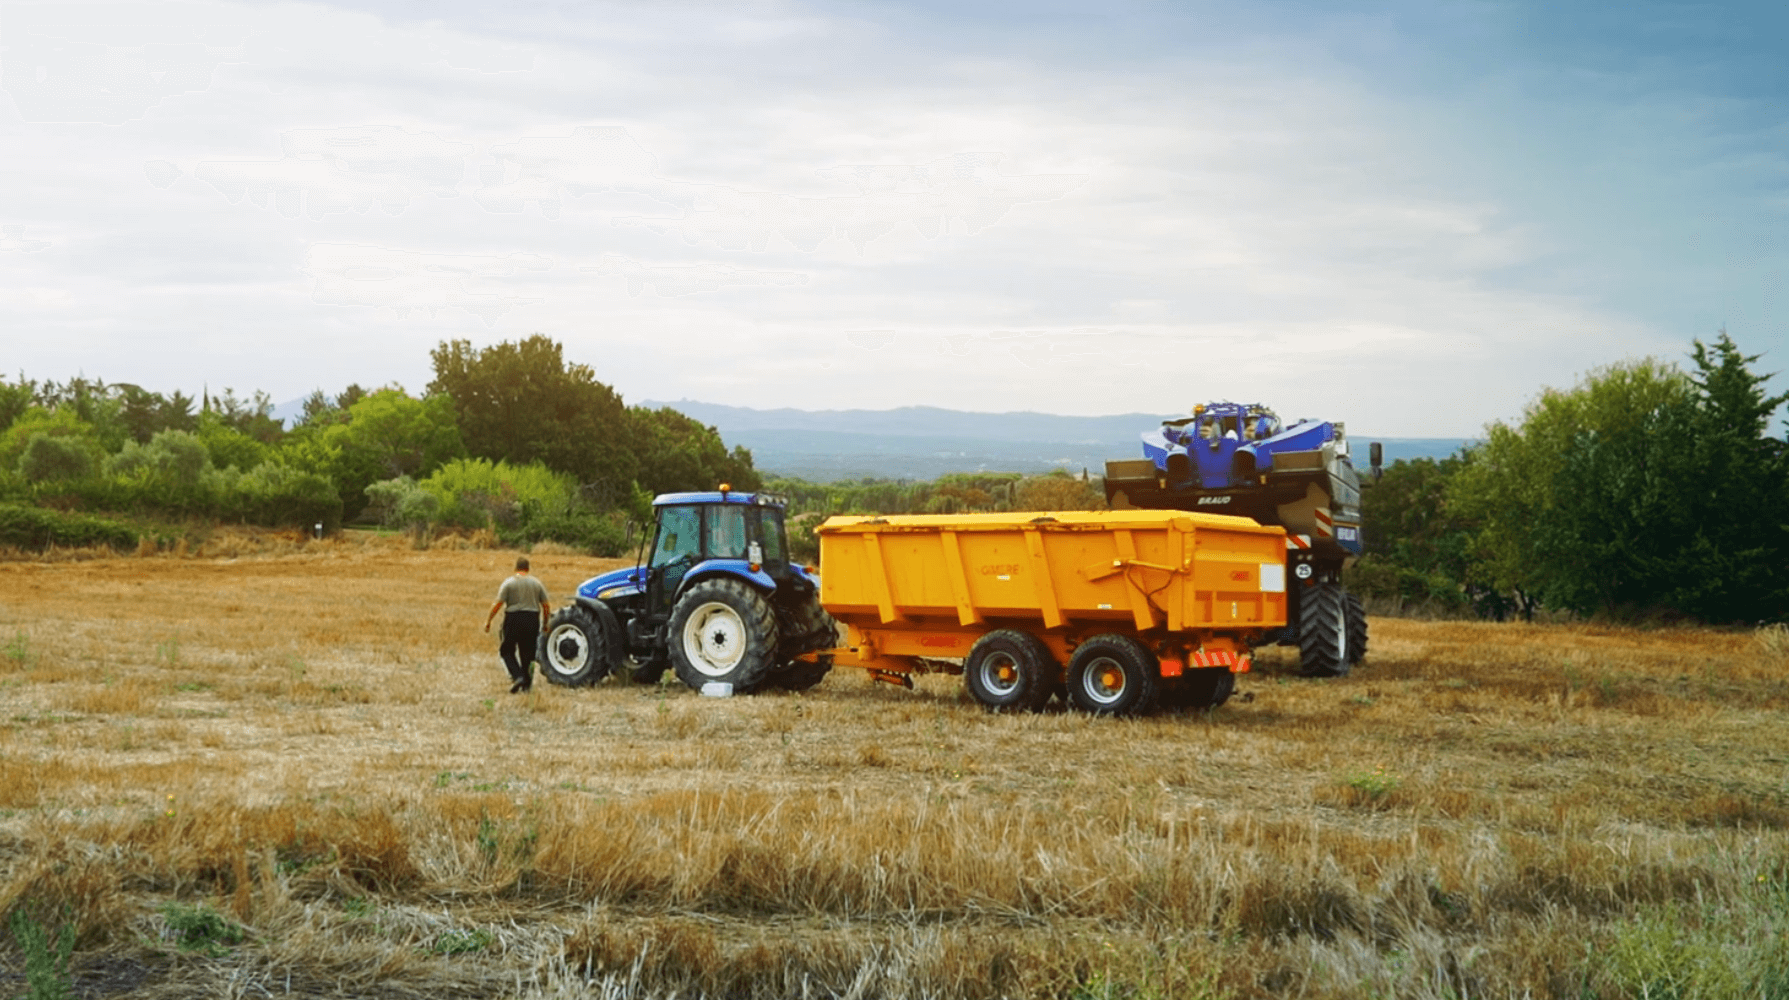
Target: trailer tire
574,651
1113,675
1323,631
1009,670
1357,630
723,631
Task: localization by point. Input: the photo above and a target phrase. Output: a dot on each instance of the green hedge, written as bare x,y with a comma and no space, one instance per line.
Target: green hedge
39,528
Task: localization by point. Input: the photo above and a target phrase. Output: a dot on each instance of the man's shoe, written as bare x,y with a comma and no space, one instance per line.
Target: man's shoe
518,686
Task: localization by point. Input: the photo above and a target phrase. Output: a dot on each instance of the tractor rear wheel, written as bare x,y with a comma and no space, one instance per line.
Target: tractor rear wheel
1010,670
1113,675
574,650
723,631
1357,630
1323,631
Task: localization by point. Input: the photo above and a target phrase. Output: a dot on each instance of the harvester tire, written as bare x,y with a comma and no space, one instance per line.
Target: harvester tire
1357,630
574,651
1206,687
1323,631
1113,675
1009,670
722,631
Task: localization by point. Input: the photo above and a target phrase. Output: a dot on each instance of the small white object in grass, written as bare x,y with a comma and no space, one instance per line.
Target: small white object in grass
717,689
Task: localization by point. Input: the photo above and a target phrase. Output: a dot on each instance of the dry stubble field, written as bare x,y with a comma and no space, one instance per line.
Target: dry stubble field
300,774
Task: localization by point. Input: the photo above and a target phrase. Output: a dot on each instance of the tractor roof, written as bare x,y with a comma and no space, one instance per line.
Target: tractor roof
731,496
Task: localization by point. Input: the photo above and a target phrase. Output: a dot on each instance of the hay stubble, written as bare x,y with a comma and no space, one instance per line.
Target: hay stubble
319,744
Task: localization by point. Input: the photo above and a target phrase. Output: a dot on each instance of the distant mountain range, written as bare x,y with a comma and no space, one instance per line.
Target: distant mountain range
924,442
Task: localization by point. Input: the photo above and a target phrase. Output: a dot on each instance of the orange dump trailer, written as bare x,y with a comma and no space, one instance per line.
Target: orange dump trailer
1113,610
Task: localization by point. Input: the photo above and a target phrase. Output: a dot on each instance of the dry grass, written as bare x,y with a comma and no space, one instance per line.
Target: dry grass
313,744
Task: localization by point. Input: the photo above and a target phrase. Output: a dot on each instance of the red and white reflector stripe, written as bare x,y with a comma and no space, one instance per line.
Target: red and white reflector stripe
1326,526
1298,541
1211,659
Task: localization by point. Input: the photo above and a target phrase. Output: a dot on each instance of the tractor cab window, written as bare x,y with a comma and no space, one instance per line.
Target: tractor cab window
679,535
726,531
770,534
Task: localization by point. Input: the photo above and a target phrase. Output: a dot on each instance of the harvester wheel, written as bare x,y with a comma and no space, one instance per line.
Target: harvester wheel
1357,630
1009,670
1113,675
574,650
722,630
1323,631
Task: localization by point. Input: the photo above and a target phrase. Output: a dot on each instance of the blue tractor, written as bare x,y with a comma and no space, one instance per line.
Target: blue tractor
713,597
1240,458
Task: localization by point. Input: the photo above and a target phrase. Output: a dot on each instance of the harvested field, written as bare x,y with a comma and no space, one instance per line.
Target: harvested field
299,774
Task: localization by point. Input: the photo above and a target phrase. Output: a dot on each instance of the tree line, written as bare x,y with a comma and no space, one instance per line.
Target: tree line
508,437
1647,490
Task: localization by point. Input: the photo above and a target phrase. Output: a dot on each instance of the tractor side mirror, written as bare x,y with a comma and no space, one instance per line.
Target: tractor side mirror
1376,459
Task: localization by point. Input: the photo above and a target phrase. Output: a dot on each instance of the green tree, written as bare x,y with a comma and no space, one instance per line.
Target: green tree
228,445
49,458
521,403
1420,550
674,453
15,399
1642,490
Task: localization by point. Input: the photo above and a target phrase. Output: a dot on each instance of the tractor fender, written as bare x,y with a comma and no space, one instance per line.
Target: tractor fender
737,569
614,640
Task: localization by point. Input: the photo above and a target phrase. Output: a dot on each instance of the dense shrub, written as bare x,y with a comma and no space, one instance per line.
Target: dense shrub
597,534
37,528
48,459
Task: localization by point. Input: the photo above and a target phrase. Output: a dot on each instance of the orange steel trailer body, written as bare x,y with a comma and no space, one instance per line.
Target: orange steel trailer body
1112,609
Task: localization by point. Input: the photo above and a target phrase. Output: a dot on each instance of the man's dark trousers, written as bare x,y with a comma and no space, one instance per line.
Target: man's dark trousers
521,632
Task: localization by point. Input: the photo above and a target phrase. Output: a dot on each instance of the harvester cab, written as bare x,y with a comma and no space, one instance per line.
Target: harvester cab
1241,458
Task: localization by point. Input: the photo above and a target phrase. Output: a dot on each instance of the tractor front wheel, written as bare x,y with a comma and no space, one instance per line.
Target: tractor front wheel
574,650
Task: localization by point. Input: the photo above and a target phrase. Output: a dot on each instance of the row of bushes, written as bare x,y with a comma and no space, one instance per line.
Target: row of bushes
23,527
521,504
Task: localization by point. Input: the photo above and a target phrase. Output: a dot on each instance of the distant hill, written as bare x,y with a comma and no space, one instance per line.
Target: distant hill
924,442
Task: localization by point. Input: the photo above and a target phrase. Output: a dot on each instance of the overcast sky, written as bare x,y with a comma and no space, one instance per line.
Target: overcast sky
1411,217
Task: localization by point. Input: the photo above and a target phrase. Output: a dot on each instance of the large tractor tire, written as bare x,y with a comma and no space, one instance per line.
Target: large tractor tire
1010,671
801,674
577,648
722,631
1113,675
1323,631
1206,687
1357,630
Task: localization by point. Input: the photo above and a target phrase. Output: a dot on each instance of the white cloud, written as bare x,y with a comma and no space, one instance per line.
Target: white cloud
109,63
407,281
348,169
687,279
12,238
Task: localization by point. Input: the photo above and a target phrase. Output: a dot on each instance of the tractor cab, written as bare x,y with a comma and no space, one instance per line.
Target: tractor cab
696,533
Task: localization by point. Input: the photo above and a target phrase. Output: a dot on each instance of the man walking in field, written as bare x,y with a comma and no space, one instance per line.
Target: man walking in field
523,599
